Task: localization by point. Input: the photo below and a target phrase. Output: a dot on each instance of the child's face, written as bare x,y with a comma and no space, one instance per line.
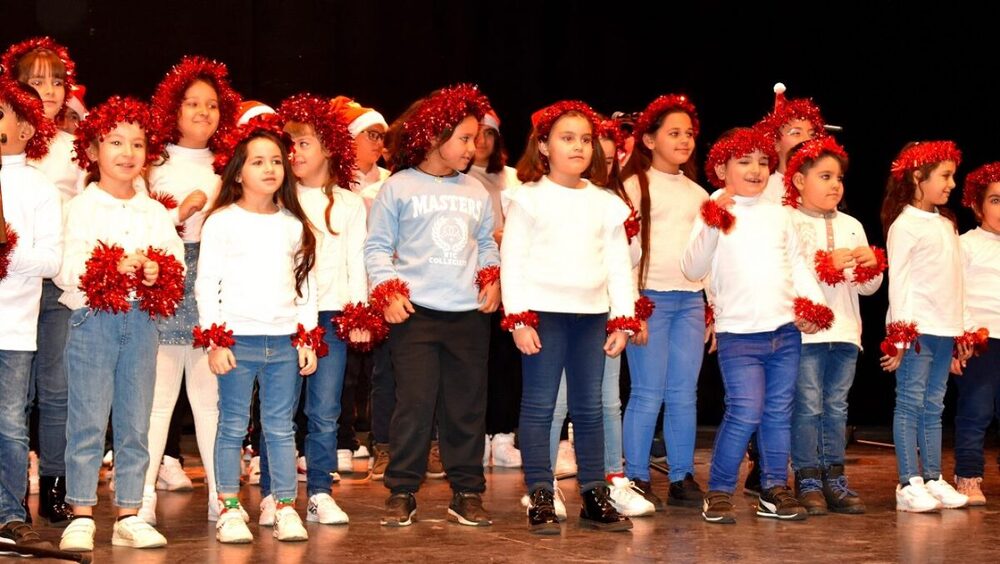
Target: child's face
51,89
610,153
822,187
794,132
934,191
262,172
198,117
309,162
14,134
673,142
121,153
570,146
458,150
486,139
746,175
369,150
71,120
990,212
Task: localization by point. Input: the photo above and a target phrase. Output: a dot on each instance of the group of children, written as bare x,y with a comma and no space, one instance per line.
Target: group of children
178,240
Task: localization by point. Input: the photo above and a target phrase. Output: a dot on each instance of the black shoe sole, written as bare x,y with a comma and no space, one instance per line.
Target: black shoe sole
545,529
617,526
681,502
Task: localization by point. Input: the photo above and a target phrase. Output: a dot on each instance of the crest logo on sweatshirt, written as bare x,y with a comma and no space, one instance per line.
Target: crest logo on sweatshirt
451,235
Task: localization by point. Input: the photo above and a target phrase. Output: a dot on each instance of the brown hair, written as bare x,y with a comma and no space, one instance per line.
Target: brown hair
901,193
534,165
298,128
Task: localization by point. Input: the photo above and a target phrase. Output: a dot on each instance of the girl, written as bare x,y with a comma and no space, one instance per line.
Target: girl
835,242
120,266
431,231
560,222
659,180
368,128
764,296
255,274
978,387
926,312
196,107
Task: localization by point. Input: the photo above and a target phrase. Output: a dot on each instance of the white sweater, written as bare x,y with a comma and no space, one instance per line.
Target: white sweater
496,184
362,180
96,215
246,274
185,171
981,259
826,232
774,191
340,257
58,165
564,250
33,209
756,269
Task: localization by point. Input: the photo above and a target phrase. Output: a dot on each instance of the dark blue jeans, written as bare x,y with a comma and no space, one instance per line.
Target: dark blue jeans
826,372
978,403
48,382
15,372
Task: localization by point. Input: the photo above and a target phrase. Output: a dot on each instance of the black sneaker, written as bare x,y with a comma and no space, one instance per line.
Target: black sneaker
809,490
645,489
467,509
598,512
752,484
399,510
778,503
839,497
685,493
52,504
21,533
717,507
542,519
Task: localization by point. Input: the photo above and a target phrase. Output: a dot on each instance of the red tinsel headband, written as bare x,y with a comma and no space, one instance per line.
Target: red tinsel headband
104,118
28,107
440,112
273,124
741,142
17,51
331,131
662,105
787,110
169,94
924,153
976,183
809,151
543,120
611,129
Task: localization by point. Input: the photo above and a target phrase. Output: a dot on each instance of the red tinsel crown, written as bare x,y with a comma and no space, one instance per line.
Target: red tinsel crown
611,129
15,52
801,108
28,107
741,142
977,181
924,153
440,112
809,151
331,131
543,120
169,94
661,105
271,123
104,118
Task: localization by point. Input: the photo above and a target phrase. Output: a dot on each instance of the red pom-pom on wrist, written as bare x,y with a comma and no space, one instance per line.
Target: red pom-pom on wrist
717,216
709,314
106,288
365,318
825,271
163,297
7,250
311,340
978,340
628,325
487,275
899,333
216,336
632,225
513,321
863,274
383,294
644,308
813,312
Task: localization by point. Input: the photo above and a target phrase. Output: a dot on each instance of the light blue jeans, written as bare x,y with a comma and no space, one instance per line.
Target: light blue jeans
921,381
15,373
819,418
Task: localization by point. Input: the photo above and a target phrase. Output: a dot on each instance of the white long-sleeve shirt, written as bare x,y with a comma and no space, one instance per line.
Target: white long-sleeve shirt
364,179
774,190
185,171
59,167
981,259
340,257
826,232
246,273
564,250
95,215
756,269
925,273
496,184
33,209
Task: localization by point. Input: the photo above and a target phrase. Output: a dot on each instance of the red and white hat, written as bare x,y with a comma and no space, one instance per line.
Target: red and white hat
491,120
74,100
251,109
357,117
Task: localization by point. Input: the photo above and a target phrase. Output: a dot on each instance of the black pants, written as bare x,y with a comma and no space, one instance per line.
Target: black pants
439,361
355,413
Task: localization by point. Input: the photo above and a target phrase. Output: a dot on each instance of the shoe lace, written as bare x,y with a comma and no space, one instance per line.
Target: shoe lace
839,487
810,485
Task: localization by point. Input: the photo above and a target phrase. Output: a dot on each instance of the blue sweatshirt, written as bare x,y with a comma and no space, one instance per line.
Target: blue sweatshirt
440,231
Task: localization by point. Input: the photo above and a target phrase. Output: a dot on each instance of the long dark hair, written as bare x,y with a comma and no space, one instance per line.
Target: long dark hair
901,193
534,165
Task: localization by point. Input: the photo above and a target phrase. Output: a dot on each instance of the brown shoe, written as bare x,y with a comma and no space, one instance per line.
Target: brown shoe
381,461
435,469
21,533
809,491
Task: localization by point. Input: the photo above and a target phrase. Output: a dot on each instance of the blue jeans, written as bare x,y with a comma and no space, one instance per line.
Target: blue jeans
819,419
574,342
665,373
978,403
921,381
758,374
273,362
48,382
111,367
323,391
611,407
15,373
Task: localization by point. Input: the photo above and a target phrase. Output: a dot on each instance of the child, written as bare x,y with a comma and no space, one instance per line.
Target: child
791,122
430,244
926,313
255,273
764,295
978,385
835,242
368,128
76,109
120,269
560,222
659,180
195,107
32,251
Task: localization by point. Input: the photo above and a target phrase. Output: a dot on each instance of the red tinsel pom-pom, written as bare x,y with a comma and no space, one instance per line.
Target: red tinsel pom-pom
978,340
629,325
515,320
813,312
717,216
163,297
487,275
311,339
644,308
7,250
215,336
709,314
365,318
383,294
899,333
105,287
863,274
825,270
632,225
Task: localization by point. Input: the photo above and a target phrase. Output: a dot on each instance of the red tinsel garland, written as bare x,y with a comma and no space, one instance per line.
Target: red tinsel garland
383,294
543,119
216,336
787,110
365,318
229,140
978,340
311,339
899,333
644,308
924,153
809,151
825,270
330,129
512,321
709,314
169,95
105,287
863,274
976,183
487,275
163,297
659,106
104,118
717,216
735,145
29,108
629,325
10,63
438,113
813,312
170,203
632,225
7,250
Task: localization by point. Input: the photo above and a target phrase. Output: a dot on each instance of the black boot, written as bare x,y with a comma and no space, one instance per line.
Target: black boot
598,512
52,504
542,518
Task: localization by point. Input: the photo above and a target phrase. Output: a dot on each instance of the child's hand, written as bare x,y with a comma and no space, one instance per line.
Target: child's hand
964,352
130,264
150,272
864,256
527,341
710,338
844,258
891,363
194,202
807,327
615,344
221,361
360,335
489,297
726,200
956,367
307,361
642,337
399,310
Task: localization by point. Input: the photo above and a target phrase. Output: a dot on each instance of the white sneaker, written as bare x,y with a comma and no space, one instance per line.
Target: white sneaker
335,476
171,476
268,506
362,452
322,509
232,529
78,536
288,525
915,498
253,471
566,459
947,495
486,453
504,453
147,512
301,469
345,461
215,509
971,488
627,501
136,533
32,473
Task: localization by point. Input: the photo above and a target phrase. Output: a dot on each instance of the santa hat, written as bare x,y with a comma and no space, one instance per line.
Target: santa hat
74,100
491,120
251,109
357,117
786,110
